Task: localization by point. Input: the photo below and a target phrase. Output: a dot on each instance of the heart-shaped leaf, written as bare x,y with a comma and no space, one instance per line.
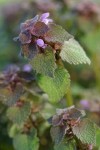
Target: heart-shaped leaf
44,63
85,131
10,98
65,146
19,114
73,53
56,34
57,134
55,87
26,142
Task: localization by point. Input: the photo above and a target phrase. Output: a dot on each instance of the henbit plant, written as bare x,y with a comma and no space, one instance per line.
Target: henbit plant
45,45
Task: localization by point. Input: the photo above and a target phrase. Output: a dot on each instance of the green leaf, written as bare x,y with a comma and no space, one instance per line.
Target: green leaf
19,114
65,146
10,98
55,87
44,63
13,130
57,134
26,142
57,34
98,137
73,53
85,131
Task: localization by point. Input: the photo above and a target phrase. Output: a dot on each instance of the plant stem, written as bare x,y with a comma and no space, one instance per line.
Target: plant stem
69,98
96,68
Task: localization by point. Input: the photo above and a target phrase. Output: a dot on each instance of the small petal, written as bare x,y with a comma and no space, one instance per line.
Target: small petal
44,46
85,104
46,21
27,68
44,16
90,147
40,42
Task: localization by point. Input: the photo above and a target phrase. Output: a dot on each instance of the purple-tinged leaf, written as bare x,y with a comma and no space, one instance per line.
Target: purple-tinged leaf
9,97
56,34
57,120
58,133
29,50
40,29
19,114
29,24
25,37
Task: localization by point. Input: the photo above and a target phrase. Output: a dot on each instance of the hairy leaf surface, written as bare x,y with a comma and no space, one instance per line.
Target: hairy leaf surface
57,134
55,87
9,97
73,53
85,131
26,142
19,114
44,63
57,34
65,146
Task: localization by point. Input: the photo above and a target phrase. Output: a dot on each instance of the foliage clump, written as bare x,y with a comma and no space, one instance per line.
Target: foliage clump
45,80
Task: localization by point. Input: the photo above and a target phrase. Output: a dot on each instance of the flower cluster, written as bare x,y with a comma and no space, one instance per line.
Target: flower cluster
14,75
66,119
67,116
88,9
33,31
92,106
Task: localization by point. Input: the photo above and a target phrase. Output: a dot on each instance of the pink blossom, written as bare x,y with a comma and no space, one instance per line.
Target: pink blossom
41,43
27,68
85,103
44,18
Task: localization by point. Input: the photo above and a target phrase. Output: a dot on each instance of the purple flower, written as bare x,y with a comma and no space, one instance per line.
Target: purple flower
27,68
41,43
25,36
85,104
33,29
90,147
44,18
